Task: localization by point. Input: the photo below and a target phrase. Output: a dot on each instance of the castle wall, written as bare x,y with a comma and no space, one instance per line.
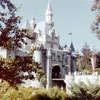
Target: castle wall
38,57
28,45
31,83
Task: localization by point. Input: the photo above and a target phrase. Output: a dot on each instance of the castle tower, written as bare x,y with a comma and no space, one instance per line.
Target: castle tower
73,58
49,14
49,29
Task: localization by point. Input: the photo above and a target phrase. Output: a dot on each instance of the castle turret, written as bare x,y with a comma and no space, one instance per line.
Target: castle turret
72,47
73,58
32,23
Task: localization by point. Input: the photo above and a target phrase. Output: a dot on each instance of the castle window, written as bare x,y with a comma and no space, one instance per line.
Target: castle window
59,58
52,36
51,45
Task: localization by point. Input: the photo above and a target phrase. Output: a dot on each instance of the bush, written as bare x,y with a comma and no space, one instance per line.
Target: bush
12,93
79,91
54,93
21,93
83,91
40,95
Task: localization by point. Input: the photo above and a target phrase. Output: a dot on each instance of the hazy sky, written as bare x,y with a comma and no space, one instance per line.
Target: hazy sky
73,16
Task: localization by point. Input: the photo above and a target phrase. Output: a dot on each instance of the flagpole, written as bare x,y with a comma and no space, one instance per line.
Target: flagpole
93,59
70,36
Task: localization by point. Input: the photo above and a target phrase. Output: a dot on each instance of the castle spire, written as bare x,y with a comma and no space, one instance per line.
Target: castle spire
49,6
49,9
49,14
72,47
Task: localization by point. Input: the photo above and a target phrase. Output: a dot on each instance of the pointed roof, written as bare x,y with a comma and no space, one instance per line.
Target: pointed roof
32,20
65,46
49,9
49,6
72,47
32,23
26,25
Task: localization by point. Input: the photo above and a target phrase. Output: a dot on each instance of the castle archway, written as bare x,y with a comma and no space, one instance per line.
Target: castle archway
57,80
56,71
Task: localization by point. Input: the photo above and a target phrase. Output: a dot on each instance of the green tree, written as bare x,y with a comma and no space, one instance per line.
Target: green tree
98,59
96,23
86,57
10,34
11,37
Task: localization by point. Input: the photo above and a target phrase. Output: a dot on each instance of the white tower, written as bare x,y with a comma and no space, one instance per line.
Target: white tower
49,14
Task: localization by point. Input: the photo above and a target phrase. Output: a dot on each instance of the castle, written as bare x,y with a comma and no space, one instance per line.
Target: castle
54,60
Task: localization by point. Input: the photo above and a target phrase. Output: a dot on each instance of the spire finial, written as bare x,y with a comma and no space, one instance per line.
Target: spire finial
49,14
49,6
49,9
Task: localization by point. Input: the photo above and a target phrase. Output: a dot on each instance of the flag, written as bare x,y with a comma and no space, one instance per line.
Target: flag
93,61
69,33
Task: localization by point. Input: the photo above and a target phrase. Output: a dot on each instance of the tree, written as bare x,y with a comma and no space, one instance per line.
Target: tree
98,59
11,37
96,23
86,57
10,34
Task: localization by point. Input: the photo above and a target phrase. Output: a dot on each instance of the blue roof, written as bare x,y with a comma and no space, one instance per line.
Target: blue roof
72,47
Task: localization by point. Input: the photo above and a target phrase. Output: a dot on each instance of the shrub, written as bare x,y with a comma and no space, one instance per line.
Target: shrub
54,93
12,93
83,91
79,91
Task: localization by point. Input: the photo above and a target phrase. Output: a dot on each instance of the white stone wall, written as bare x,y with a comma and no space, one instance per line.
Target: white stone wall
85,78
31,83
38,57
56,46
28,45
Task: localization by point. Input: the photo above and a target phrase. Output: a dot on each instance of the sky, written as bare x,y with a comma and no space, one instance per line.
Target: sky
70,16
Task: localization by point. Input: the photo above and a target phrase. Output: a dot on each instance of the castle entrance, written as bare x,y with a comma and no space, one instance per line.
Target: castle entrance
57,80
56,72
